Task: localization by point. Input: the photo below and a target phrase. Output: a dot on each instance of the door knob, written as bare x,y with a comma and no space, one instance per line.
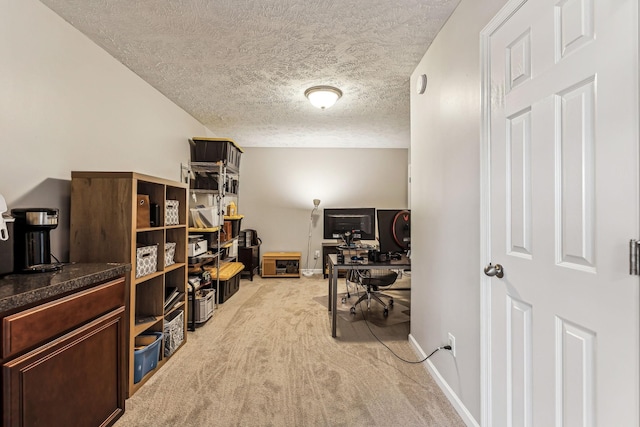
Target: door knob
494,270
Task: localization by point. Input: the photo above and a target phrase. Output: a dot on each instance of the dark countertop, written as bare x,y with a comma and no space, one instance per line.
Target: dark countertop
17,290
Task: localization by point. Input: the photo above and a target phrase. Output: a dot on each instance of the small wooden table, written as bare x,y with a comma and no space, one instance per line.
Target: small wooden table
281,264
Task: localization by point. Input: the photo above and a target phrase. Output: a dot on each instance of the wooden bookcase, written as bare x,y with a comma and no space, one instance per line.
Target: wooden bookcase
103,229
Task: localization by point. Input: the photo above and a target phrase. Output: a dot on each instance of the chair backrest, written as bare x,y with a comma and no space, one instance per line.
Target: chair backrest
380,278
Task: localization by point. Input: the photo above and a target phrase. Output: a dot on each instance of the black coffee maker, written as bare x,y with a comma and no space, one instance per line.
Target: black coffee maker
31,239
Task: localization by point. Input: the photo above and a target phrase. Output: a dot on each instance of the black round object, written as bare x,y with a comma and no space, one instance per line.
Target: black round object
401,228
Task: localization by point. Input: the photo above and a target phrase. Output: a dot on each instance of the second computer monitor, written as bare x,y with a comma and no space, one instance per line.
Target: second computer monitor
394,230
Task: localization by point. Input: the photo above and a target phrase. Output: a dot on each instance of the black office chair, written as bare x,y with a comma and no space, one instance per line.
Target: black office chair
373,281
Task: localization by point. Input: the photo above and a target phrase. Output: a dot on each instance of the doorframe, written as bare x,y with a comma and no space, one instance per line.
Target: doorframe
510,8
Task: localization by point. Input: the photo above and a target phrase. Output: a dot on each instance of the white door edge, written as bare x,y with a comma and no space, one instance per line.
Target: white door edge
486,416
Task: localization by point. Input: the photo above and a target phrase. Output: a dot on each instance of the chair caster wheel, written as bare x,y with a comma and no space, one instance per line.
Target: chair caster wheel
344,300
391,302
385,312
352,310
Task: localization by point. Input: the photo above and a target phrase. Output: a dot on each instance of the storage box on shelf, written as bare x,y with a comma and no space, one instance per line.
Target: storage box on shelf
233,249
172,212
203,306
146,354
204,218
173,332
143,211
231,226
216,150
146,260
229,277
107,204
169,253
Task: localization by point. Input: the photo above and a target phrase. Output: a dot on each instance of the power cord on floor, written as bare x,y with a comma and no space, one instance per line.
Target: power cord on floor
444,347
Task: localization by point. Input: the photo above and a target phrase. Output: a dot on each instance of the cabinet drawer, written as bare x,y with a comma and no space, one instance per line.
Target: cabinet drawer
36,325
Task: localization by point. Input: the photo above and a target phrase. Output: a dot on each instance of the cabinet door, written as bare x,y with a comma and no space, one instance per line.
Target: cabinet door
268,267
75,380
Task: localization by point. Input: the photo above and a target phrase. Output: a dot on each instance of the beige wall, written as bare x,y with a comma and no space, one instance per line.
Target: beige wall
67,105
278,185
445,199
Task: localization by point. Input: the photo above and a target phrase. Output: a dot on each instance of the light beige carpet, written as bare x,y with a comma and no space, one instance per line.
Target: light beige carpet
267,358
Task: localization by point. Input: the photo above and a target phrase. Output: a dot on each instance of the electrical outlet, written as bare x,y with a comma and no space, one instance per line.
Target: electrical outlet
316,255
452,343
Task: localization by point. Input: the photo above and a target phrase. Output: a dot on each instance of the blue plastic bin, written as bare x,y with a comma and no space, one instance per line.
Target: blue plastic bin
146,359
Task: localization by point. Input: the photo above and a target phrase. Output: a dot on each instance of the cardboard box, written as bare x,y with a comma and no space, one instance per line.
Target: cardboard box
143,212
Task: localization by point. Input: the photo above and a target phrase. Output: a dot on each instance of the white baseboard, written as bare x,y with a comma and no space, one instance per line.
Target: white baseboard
444,386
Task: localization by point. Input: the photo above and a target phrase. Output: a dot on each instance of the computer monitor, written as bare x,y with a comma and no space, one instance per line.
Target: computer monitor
358,221
394,230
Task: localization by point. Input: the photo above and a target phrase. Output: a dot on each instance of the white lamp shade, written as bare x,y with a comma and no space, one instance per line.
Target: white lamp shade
323,96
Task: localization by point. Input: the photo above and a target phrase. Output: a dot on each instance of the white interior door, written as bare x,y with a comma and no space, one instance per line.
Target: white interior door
561,327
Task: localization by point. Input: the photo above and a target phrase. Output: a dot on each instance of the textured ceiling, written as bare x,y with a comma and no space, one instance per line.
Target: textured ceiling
241,67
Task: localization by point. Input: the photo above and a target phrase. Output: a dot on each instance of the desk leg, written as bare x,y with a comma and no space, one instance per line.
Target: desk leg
329,287
334,301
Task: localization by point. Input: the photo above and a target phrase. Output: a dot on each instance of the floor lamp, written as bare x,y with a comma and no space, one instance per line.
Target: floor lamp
316,203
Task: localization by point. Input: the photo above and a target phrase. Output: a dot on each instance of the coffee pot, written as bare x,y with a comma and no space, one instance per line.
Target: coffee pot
32,243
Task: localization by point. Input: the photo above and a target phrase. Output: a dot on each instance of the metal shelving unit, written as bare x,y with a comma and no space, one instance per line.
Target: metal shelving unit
224,178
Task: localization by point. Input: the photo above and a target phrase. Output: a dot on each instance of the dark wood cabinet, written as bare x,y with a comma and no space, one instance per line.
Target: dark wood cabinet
250,257
73,373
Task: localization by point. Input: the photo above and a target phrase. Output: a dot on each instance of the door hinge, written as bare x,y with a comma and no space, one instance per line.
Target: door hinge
634,257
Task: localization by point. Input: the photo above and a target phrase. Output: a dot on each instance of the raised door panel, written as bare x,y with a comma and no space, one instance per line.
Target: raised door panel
268,267
76,380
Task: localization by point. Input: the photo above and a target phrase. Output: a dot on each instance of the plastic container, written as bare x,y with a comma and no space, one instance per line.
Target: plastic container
232,227
203,307
146,359
204,181
204,217
215,150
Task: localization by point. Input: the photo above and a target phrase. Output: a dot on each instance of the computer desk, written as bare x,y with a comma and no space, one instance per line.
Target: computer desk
400,264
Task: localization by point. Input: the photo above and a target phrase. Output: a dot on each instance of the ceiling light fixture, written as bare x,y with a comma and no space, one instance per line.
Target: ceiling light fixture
323,96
